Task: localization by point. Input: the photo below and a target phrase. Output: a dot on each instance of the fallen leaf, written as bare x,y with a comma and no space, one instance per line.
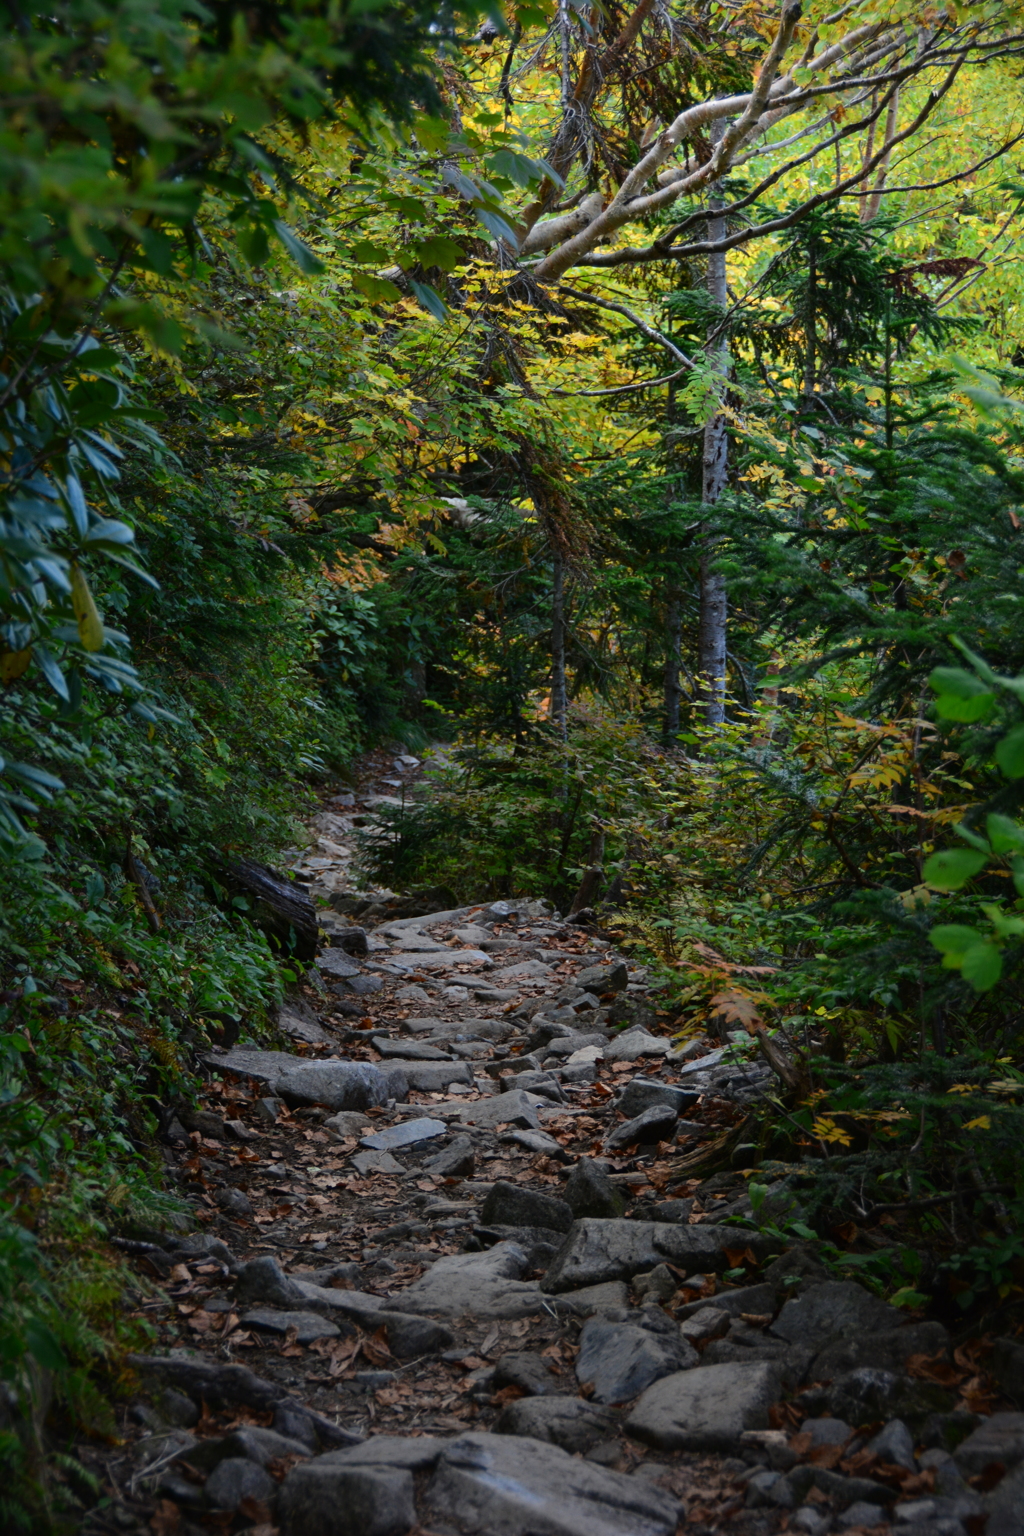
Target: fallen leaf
166,1518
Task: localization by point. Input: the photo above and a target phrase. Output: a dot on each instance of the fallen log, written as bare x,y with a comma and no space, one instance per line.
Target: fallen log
281,907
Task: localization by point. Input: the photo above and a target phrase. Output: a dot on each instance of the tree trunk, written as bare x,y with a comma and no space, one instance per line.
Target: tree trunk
593,876
558,697
673,659
711,634
281,907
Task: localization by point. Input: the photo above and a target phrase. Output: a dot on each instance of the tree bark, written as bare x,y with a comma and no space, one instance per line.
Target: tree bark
711,634
558,696
281,907
673,657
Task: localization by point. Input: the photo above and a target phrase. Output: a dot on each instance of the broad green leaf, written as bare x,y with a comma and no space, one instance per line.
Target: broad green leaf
953,867
1010,753
90,625
1004,834
377,289
43,1346
982,967
370,253
297,249
954,938
439,252
431,300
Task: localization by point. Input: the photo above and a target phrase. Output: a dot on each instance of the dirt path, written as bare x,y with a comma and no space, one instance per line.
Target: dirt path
447,1277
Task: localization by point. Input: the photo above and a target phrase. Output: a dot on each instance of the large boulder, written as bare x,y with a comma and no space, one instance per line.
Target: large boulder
480,1284
621,1359
510,1205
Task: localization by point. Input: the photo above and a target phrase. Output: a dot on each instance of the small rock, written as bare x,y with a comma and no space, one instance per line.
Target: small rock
590,1192
999,1438
338,1084
860,1516
538,1141
236,1479
706,1409
456,1161
335,963
633,1044
604,978
608,1297
513,1206
409,1336
436,1076
622,1359
480,1284
708,1322
376,1162
407,1134
642,1093
809,1521
528,1371
568,1422
895,1444
233,1202
310,1325
410,1050
658,1283
837,1307
826,1431
655,1124
300,1023
324,1498
352,940
512,1108
350,1122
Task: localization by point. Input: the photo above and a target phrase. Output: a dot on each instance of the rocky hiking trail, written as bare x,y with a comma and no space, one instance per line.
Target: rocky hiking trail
448,1273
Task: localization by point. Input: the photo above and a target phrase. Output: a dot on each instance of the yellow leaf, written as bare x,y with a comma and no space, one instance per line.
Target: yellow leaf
90,625
827,1130
983,1123
13,664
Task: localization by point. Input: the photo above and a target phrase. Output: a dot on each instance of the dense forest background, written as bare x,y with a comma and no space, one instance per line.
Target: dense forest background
627,395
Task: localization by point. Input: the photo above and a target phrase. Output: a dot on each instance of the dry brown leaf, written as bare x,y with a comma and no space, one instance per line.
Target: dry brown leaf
375,1347
166,1518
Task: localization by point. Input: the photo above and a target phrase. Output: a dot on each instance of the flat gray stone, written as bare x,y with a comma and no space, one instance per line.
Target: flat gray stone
655,1124
593,1298
335,962
634,1043
409,1453
507,1486
624,1359
512,1108
410,1050
322,1498
706,1409
338,1084
349,1122
310,1325
1005,1505
482,1284
301,1025
407,1134
604,978
537,1141
596,1250
999,1438
265,1066
564,1421
455,1161
642,1093
590,1192
436,1076
235,1479
376,1162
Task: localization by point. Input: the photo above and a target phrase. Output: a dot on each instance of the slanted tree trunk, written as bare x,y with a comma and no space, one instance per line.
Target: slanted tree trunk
673,659
280,906
711,632
593,875
558,695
